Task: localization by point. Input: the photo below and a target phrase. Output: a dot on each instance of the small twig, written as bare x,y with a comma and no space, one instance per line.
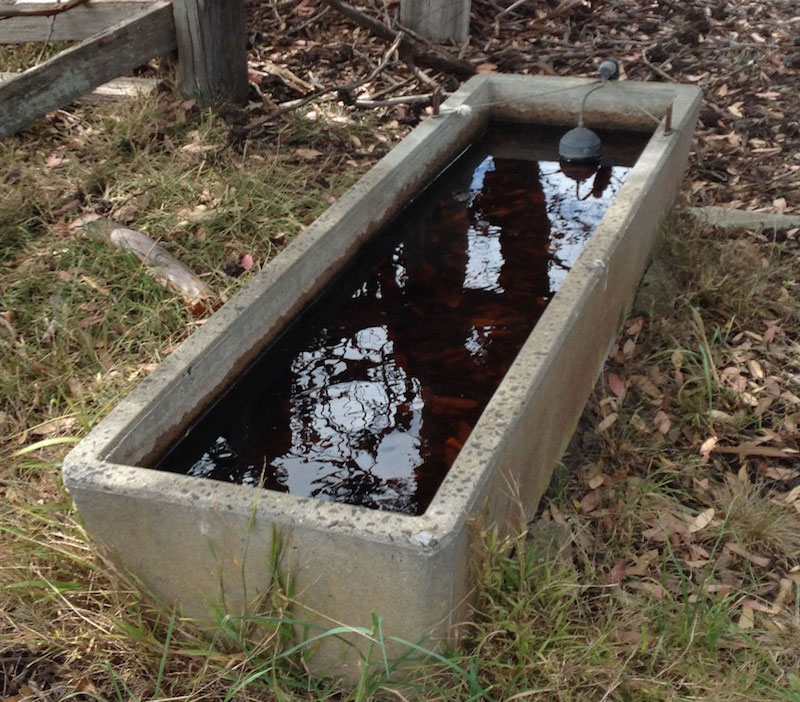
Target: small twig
310,20
294,104
656,69
46,11
436,58
513,6
424,77
400,100
46,42
389,89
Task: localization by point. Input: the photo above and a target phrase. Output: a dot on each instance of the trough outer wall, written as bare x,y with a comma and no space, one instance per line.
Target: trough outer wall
204,545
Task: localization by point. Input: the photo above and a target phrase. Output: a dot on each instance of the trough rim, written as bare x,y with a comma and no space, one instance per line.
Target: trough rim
90,466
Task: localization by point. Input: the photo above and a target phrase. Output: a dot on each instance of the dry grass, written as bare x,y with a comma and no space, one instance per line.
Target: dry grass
712,352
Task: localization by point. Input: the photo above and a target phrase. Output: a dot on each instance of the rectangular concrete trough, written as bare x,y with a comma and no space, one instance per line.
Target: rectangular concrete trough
204,545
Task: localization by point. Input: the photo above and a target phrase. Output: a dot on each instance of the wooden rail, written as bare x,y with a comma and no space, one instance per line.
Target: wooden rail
212,60
78,23
80,69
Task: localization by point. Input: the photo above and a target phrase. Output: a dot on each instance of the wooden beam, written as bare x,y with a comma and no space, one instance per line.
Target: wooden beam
78,23
108,92
437,20
81,68
212,50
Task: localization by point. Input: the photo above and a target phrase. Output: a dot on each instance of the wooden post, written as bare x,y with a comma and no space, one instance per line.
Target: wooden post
81,68
437,20
212,50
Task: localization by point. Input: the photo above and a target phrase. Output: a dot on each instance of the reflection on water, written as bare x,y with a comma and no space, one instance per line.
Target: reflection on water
369,397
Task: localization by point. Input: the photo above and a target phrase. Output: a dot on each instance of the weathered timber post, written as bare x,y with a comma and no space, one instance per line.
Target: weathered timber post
212,50
437,20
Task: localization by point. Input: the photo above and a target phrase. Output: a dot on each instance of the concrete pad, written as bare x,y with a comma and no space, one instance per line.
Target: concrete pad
208,546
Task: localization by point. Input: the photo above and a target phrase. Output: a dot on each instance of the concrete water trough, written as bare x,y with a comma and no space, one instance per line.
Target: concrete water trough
207,546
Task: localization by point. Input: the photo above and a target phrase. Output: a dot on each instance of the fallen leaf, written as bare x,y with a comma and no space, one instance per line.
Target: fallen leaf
590,501
628,348
778,473
308,154
607,422
648,386
732,547
486,67
654,589
702,520
663,422
247,261
617,574
94,285
643,563
707,447
596,481
790,397
53,426
558,516
757,605
722,589
771,333
746,619
26,694
792,495
634,326
196,214
697,564
616,384
784,595
49,333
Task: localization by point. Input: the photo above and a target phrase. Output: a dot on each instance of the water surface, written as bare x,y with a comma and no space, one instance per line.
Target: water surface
368,397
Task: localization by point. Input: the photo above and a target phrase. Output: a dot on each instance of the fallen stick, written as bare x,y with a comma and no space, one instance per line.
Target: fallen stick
289,105
751,450
400,100
169,270
438,60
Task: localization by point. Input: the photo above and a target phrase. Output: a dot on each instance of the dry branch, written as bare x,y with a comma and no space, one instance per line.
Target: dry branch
344,89
438,59
168,269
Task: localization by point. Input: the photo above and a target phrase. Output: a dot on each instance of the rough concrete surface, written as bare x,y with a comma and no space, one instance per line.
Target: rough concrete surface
204,545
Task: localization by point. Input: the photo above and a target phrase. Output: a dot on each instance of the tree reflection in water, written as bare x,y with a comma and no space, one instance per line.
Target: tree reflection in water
371,406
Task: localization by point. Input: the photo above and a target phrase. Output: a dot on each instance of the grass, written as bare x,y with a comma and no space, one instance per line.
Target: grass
641,599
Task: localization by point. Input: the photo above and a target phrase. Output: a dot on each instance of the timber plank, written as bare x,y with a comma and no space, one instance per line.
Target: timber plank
78,23
116,89
81,68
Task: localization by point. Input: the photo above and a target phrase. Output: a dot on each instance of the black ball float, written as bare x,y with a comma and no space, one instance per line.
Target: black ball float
579,145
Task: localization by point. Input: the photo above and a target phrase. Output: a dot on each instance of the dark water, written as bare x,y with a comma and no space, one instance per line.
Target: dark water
369,396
